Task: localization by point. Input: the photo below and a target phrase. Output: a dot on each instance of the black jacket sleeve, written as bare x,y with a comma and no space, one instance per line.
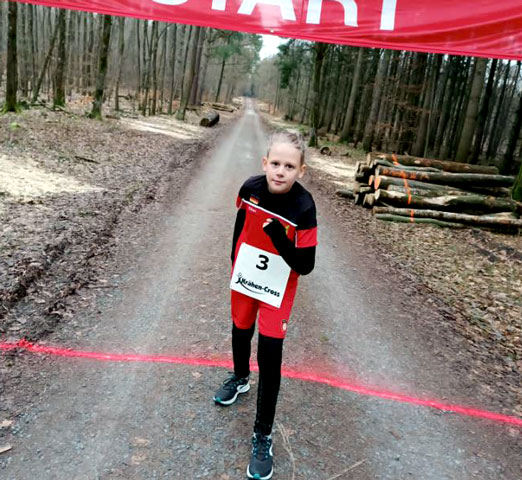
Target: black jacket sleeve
238,228
301,260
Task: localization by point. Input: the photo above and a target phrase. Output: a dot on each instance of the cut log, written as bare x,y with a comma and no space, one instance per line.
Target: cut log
222,107
447,166
383,182
371,180
361,178
451,203
430,221
325,150
358,198
210,119
445,178
425,192
363,169
345,193
376,162
486,221
364,189
369,200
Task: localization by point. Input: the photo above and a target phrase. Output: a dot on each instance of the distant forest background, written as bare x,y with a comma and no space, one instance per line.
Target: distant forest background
428,105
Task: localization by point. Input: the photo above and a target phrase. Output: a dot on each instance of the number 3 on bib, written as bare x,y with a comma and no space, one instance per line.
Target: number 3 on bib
263,262
261,275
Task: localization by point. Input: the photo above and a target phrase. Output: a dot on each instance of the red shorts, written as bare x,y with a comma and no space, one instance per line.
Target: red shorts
273,322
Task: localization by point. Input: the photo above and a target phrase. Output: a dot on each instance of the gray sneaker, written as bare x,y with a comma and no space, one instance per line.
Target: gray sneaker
231,388
261,461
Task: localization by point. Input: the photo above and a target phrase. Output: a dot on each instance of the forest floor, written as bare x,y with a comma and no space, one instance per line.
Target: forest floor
61,202
475,274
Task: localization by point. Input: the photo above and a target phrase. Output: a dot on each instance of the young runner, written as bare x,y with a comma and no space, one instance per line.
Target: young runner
274,242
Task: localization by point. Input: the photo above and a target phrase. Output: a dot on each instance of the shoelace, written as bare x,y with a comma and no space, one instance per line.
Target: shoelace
231,383
263,446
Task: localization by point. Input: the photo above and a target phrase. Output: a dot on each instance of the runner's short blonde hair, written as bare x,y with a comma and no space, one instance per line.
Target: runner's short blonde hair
291,137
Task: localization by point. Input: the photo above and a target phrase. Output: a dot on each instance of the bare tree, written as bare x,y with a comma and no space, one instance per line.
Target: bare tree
12,59
180,114
470,122
102,68
59,74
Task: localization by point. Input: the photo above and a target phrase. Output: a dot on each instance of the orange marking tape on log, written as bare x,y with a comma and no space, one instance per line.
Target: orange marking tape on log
406,186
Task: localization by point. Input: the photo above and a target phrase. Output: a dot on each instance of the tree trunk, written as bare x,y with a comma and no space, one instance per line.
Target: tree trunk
32,28
448,89
210,119
456,179
180,115
514,135
447,166
348,121
384,182
173,68
320,50
59,75
189,30
492,144
220,80
138,63
474,204
456,108
195,83
422,136
487,221
48,57
201,87
103,59
366,97
470,122
389,217
516,193
424,192
12,60
163,68
376,100
154,41
483,114
23,81
121,50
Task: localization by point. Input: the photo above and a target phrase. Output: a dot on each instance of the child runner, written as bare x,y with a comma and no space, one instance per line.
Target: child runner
276,220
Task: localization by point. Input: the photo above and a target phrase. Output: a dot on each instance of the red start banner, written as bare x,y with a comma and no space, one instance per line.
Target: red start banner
485,28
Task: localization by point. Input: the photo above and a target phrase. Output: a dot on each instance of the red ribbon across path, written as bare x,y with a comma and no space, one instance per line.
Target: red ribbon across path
483,28
287,373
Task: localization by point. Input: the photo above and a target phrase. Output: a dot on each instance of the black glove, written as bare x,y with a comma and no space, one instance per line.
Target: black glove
302,260
275,229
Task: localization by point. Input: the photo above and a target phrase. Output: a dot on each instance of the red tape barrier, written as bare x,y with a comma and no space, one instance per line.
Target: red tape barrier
287,373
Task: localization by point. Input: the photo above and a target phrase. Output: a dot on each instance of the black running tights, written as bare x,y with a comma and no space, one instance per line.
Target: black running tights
269,359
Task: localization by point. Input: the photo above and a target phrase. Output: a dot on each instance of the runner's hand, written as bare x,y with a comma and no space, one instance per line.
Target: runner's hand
274,228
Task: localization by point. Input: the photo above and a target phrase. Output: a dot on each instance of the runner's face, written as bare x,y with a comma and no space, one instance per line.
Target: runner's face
282,167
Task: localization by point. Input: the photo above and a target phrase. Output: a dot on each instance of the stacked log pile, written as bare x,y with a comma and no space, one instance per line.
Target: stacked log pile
401,188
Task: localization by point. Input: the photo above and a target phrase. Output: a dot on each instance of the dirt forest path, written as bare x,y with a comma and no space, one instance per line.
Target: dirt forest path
110,420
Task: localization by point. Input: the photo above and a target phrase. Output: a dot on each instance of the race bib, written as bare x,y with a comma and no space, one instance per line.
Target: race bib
261,275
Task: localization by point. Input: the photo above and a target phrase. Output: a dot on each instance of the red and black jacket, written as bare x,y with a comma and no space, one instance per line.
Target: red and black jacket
293,230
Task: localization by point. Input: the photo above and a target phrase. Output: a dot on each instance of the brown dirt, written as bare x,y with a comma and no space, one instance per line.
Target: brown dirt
66,184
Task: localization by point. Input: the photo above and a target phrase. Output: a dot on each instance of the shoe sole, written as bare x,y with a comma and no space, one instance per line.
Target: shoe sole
257,477
241,389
